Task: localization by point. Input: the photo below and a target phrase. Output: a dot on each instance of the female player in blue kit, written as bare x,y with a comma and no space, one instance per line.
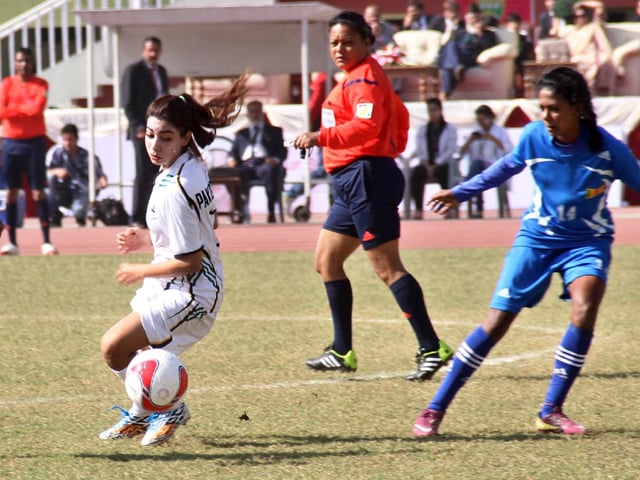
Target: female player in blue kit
567,229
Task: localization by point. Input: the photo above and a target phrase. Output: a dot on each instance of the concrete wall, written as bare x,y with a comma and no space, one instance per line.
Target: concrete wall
10,9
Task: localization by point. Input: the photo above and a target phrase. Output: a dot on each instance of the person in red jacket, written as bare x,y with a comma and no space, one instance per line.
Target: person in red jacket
364,127
23,98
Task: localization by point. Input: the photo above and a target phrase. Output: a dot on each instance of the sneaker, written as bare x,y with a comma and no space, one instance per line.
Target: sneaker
162,426
430,362
9,249
558,422
128,426
48,249
427,423
332,360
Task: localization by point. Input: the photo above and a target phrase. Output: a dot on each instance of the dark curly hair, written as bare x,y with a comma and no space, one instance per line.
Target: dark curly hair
571,85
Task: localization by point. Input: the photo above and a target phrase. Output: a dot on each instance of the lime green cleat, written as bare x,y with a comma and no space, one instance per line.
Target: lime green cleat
430,362
332,360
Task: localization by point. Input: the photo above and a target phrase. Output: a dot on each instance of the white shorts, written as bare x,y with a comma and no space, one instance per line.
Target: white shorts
173,319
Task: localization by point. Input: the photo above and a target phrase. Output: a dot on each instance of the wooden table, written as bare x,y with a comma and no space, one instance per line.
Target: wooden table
534,70
233,183
429,80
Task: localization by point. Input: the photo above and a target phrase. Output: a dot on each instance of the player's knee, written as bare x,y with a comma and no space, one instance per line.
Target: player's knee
584,312
108,349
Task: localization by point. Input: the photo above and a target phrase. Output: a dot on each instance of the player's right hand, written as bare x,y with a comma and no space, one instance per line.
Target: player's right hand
441,202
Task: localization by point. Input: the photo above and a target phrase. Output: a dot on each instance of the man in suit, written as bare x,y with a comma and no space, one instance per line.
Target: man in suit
142,83
549,23
416,19
259,151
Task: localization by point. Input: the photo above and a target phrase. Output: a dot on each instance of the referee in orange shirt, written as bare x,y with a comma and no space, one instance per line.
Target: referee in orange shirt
364,127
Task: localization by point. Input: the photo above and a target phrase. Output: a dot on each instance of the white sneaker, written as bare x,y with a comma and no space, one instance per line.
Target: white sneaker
9,249
48,249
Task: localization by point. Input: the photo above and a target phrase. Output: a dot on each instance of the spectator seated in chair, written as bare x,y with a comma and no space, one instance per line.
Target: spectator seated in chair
257,153
486,144
436,144
68,174
461,49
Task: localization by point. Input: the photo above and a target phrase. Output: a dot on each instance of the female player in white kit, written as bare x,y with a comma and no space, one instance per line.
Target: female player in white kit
183,285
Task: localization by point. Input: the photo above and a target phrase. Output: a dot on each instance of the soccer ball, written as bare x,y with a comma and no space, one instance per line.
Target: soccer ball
156,380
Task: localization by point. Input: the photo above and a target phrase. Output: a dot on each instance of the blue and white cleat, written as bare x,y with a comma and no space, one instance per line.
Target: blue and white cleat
162,426
129,426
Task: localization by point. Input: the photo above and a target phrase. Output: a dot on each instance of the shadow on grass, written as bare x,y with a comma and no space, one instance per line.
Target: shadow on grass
262,452
597,375
302,449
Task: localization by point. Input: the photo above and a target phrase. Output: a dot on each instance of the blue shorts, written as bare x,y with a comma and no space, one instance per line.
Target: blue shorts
26,156
527,272
368,192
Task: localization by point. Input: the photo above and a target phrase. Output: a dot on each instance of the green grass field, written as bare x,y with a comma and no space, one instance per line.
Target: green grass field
56,390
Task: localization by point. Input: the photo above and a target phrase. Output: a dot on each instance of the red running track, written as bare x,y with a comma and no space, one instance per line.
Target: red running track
433,232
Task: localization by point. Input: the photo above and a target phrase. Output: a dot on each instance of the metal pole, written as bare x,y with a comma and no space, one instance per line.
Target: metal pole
116,106
90,111
304,73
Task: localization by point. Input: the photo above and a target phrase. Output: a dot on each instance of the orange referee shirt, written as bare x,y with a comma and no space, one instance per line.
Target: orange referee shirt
362,116
22,105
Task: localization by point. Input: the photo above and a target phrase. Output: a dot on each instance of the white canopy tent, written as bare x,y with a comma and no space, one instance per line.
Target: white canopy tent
219,40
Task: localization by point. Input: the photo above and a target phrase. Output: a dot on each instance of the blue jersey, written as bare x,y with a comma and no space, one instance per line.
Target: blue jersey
569,207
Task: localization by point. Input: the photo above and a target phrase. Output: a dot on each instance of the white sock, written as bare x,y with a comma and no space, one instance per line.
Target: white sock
137,411
120,373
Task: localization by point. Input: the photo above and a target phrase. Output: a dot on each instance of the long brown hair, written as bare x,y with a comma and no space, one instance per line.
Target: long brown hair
188,115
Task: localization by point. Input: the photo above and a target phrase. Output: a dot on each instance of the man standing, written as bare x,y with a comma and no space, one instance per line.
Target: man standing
23,99
259,152
142,83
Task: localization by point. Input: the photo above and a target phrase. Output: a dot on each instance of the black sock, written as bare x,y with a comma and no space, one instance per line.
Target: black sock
340,298
409,296
43,216
12,221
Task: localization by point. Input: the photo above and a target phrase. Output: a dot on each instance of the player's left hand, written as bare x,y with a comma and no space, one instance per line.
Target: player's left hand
129,273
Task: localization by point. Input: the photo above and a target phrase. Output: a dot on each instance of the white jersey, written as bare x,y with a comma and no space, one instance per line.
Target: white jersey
180,217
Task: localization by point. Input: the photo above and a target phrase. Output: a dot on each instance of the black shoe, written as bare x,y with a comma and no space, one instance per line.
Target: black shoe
271,218
430,362
55,222
332,360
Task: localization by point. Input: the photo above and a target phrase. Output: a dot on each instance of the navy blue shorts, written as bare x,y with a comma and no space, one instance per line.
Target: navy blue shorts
368,192
27,156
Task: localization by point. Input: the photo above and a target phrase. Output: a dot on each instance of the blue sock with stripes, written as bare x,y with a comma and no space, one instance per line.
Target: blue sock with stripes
570,357
466,361
340,298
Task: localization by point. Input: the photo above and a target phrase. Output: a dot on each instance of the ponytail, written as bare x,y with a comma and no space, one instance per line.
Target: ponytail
188,115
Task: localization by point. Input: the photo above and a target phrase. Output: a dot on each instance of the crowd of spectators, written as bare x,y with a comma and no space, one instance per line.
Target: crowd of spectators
578,25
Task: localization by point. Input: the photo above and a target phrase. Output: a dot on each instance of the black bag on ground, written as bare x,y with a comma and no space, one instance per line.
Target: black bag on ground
109,211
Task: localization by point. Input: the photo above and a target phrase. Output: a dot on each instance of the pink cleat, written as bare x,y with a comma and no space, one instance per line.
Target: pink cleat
427,423
558,422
